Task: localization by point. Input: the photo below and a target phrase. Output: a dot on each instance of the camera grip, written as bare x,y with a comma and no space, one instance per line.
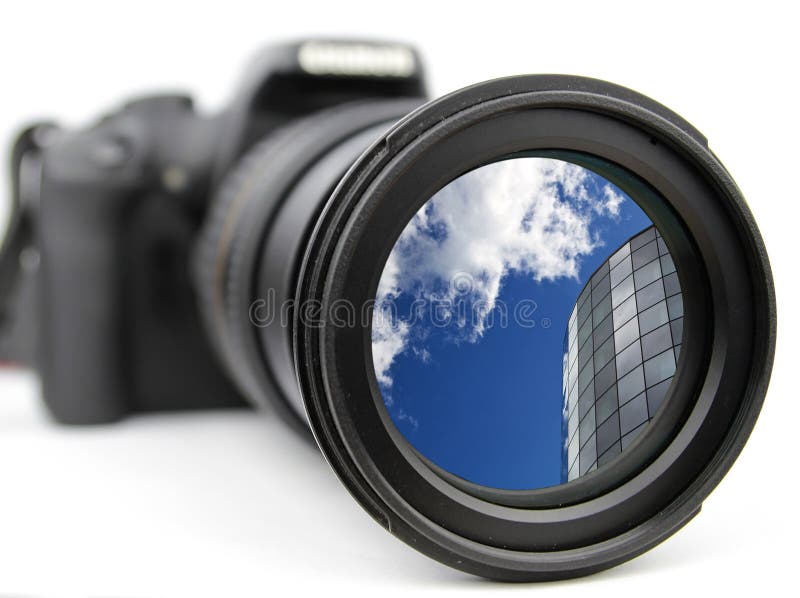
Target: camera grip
82,363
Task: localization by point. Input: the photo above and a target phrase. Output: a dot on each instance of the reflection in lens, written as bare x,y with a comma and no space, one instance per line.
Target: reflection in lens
621,347
527,324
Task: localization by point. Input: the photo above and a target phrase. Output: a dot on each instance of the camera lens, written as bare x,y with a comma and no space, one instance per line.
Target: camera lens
528,322
531,325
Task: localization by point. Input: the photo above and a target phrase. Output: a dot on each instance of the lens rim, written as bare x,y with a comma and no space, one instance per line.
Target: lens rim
524,543
352,279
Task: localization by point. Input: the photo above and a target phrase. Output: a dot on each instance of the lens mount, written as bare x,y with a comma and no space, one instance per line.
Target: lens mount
725,363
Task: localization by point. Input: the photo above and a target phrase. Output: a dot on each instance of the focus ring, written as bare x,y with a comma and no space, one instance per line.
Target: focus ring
239,218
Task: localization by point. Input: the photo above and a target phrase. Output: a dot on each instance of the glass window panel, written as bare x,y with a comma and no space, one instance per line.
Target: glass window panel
603,309
603,330
585,354
659,368
599,274
662,246
606,405
584,311
656,394
644,255
573,399
650,295
604,354
607,433
671,284
632,414
586,427
625,311
626,334
667,265
677,353
601,291
653,317
605,378
629,358
573,354
620,271
584,296
620,255
612,452
585,378
643,238
573,319
647,274
630,385
584,332
573,377
622,291
586,401
572,424
675,306
572,451
588,456
677,330
574,472
656,341
631,436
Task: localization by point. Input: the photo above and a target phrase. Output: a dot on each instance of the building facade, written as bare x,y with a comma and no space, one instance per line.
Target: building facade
621,348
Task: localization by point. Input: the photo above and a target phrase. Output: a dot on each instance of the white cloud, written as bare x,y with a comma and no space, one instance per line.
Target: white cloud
403,416
612,200
389,337
529,215
423,354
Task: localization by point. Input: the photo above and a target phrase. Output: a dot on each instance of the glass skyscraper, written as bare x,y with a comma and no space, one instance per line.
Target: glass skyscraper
621,348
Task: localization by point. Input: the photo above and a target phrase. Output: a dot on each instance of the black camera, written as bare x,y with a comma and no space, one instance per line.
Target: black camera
530,324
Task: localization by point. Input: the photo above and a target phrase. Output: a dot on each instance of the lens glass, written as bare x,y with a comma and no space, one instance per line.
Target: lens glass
528,322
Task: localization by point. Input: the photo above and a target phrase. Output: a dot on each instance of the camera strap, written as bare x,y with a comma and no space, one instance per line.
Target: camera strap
20,234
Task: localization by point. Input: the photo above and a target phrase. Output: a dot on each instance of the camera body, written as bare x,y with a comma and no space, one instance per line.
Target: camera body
116,216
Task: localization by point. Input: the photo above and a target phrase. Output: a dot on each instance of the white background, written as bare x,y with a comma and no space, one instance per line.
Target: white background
233,504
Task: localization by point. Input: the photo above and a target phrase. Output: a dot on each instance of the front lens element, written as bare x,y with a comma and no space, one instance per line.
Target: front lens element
527,325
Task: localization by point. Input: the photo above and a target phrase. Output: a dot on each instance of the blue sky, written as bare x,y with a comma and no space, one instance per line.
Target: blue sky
473,305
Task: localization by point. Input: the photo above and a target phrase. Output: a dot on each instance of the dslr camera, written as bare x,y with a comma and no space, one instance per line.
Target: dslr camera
530,324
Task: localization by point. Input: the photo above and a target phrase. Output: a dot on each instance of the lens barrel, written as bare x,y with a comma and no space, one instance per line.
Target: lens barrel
253,241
